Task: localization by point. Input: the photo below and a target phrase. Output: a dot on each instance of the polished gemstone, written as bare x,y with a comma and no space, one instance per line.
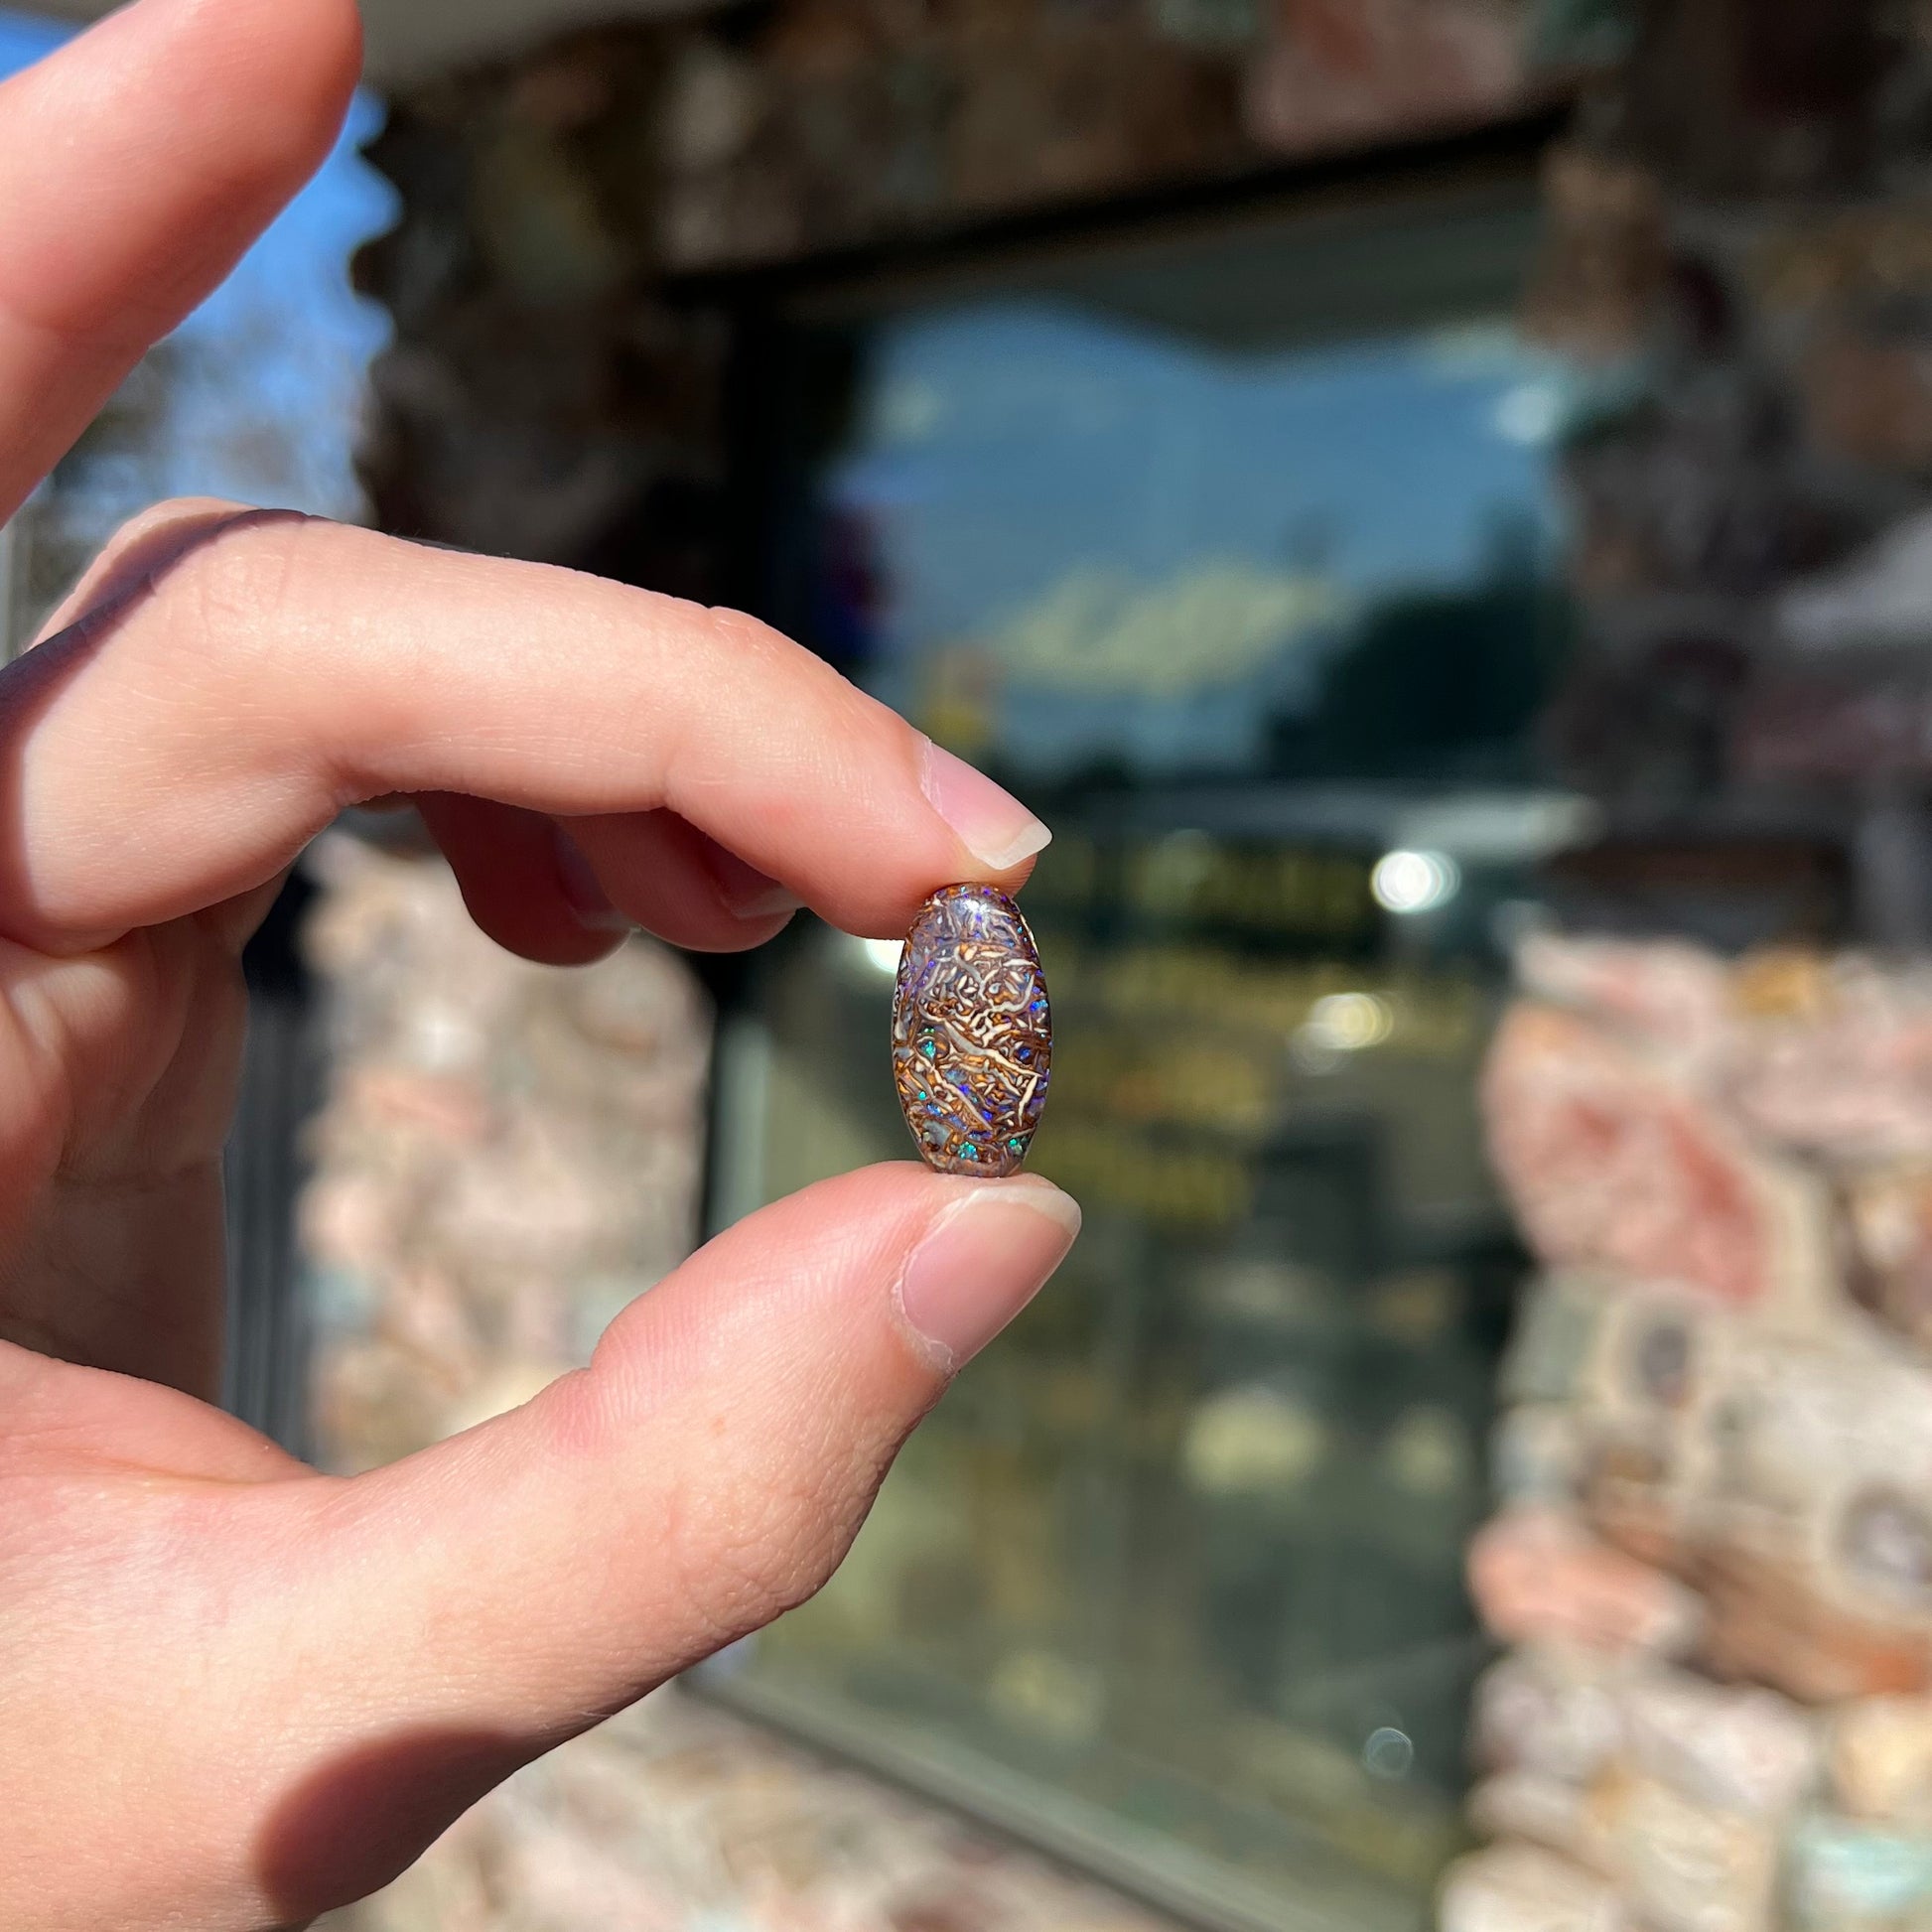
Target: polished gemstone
972,1038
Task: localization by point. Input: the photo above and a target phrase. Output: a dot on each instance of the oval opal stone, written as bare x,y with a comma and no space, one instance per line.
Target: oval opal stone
972,1038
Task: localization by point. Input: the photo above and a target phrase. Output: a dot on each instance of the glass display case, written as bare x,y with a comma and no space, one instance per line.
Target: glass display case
1233,549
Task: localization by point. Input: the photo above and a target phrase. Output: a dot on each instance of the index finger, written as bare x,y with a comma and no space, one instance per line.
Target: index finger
136,164
182,742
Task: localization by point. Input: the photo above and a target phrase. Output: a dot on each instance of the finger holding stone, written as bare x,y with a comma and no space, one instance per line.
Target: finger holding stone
230,702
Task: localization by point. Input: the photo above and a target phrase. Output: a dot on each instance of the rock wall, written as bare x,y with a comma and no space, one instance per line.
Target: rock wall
506,1155
1713,1559
552,394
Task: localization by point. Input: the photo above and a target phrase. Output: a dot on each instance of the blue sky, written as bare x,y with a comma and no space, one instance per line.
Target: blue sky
1013,440
1015,449
288,336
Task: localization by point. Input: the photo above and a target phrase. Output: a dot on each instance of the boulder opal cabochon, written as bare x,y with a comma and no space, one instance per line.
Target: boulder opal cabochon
972,1040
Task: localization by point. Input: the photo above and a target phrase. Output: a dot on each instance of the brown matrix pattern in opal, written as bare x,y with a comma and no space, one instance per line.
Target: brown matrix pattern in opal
972,1038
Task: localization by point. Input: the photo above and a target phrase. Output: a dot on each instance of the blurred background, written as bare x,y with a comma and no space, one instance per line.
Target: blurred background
1433,500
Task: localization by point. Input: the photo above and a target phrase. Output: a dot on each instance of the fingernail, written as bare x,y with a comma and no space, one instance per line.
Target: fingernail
751,894
579,886
993,825
990,1253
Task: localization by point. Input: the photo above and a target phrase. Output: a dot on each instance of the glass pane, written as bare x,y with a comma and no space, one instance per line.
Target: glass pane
1259,616
1086,551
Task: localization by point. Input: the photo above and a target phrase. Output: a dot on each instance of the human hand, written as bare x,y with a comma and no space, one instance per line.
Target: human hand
234,1691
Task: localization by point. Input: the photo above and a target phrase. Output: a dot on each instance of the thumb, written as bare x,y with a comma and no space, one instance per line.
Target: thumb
705,1472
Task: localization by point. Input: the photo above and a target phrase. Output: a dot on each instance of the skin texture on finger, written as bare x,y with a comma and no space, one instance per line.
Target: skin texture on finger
117,1073
141,550
507,863
63,1418
663,874
772,1366
275,670
295,1683
537,885
136,164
